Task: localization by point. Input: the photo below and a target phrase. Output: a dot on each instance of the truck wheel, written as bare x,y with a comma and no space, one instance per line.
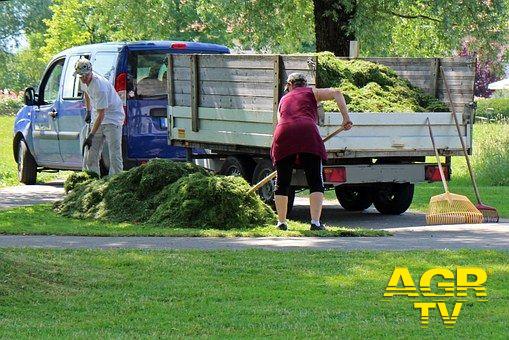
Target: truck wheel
27,167
393,198
353,198
262,170
238,166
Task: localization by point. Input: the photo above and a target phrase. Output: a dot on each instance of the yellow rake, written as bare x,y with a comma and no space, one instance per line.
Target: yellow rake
449,208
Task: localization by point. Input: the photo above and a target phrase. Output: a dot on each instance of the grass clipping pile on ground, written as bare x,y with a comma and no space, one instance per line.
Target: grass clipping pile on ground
166,193
371,87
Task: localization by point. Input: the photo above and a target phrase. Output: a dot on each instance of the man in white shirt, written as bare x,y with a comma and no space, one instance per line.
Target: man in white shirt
108,118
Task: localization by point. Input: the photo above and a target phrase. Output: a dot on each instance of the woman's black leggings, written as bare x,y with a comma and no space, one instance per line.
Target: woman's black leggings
312,165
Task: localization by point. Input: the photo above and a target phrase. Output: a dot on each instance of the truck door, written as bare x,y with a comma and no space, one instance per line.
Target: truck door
45,123
146,106
71,117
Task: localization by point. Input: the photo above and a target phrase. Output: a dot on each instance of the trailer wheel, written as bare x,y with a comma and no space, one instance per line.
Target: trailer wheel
27,167
393,198
262,170
353,198
238,166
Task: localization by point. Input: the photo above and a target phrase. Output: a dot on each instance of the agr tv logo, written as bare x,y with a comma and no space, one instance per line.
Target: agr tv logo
467,280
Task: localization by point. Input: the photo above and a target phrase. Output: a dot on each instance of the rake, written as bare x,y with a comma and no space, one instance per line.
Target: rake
449,208
272,175
490,214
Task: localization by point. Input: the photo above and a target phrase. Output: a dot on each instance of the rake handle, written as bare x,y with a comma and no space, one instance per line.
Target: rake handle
442,176
273,174
469,166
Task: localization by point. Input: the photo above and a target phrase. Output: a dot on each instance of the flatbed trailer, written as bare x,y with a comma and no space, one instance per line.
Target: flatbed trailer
227,104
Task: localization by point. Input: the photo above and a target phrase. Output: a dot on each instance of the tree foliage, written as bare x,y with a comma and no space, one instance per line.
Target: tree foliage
404,28
259,25
19,18
418,28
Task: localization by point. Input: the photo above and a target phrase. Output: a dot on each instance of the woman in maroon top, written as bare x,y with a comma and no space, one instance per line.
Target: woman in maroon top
297,141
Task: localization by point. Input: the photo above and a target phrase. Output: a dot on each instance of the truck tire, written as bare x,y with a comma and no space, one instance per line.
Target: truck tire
238,166
27,167
262,170
393,198
353,198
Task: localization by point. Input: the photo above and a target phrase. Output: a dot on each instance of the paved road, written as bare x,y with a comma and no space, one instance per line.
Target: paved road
409,229
485,236
22,195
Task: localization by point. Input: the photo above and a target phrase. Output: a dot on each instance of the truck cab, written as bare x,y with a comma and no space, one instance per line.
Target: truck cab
49,130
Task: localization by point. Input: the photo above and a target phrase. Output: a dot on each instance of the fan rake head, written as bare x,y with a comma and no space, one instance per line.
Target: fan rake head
451,208
490,214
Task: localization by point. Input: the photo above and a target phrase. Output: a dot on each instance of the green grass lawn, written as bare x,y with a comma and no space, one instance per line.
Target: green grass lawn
252,293
8,167
41,220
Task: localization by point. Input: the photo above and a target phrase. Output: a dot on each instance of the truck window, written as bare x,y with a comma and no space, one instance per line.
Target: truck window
104,63
52,82
71,88
147,74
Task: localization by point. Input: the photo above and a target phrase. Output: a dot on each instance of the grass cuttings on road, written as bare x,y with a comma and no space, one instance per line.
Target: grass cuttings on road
166,193
251,293
41,220
371,87
169,198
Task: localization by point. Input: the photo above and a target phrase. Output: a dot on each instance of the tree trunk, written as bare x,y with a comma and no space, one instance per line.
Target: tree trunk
332,20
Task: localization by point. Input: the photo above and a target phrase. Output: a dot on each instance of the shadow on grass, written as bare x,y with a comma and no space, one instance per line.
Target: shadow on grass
42,220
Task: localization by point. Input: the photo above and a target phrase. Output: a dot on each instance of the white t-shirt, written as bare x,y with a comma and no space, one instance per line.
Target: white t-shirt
103,96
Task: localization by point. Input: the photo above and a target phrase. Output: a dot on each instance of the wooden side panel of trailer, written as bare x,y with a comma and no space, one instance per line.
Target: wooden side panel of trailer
229,103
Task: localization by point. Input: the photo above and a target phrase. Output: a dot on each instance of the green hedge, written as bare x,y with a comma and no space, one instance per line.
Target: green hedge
9,106
496,108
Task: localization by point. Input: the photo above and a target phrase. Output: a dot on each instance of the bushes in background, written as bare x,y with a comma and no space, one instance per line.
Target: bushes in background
494,108
10,106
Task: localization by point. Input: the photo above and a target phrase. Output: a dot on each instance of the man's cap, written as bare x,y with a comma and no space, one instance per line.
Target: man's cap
296,77
83,66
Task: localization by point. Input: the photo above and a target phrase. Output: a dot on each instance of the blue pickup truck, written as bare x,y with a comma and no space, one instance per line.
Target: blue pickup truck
50,129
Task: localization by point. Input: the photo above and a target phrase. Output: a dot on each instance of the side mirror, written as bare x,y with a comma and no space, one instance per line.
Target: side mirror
29,96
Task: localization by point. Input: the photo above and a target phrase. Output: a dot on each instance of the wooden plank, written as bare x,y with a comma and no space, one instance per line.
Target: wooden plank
457,61
391,119
195,92
249,61
337,144
423,67
398,61
236,127
434,75
451,74
223,137
171,82
235,115
299,62
276,64
370,143
227,102
226,88
242,61
231,75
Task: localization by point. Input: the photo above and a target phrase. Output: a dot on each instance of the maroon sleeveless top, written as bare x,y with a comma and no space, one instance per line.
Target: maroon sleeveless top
296,131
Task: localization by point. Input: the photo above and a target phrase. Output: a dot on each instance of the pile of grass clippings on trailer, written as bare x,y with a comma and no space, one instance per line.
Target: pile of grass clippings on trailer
165,193
371,87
